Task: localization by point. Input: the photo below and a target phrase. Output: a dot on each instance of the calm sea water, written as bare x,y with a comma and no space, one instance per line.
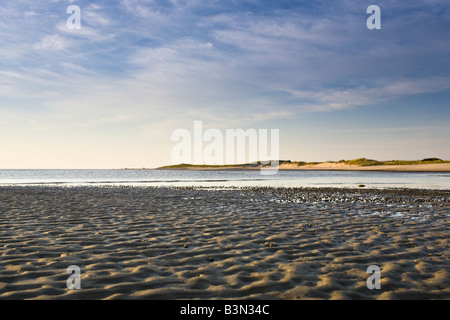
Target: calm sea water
226,178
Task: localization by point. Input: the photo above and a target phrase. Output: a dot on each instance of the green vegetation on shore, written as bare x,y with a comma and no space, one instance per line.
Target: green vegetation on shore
362,162
206,166
186,165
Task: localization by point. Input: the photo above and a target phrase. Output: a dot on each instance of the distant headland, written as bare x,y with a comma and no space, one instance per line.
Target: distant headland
361,164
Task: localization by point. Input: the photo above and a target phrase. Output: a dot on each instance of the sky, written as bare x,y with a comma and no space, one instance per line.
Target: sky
110,94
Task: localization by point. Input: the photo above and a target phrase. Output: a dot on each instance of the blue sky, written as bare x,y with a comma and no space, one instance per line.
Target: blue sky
110,94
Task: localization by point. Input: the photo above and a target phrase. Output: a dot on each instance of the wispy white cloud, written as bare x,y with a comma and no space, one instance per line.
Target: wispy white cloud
30,14
52,42
335,99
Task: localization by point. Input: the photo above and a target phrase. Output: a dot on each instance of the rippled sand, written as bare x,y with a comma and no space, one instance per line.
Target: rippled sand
257,243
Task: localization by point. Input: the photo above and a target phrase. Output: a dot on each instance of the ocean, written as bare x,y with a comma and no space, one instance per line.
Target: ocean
250,178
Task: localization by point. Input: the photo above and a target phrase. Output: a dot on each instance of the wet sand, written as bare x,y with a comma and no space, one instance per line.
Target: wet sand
254,243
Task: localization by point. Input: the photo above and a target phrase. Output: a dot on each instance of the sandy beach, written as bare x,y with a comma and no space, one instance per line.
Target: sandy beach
433,167
254,243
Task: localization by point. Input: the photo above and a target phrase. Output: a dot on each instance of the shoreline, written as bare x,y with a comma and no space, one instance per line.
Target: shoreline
438,168
251,243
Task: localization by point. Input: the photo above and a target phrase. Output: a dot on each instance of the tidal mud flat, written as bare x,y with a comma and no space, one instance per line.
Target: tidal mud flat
200,243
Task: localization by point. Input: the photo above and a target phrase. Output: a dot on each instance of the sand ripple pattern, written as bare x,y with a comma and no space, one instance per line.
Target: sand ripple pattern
256,243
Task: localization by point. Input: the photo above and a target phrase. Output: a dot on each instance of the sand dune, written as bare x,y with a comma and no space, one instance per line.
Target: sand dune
156,243
433,167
